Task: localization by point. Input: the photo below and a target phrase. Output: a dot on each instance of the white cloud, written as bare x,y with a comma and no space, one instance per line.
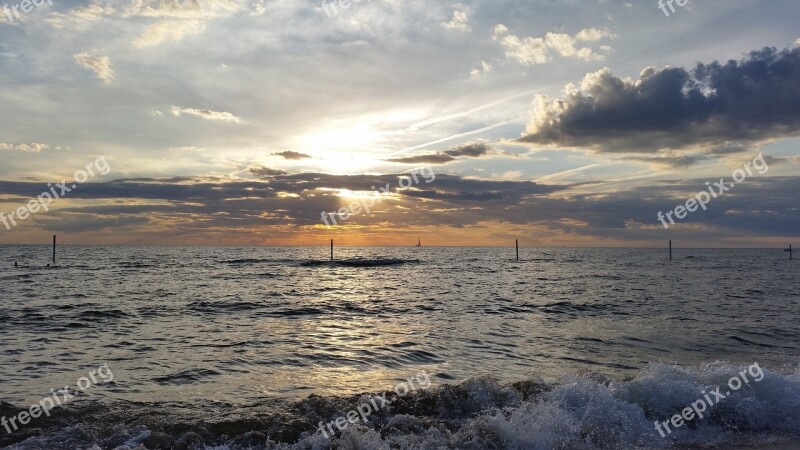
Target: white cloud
100,65
258,8
530,50
81,15
161,9
31,148
164,9
561,43
460,21
481,71
167,30
511,175
593,34
206,114
5,19
177,18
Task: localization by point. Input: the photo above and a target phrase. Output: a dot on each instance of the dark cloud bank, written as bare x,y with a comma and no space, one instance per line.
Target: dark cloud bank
713,106
760,207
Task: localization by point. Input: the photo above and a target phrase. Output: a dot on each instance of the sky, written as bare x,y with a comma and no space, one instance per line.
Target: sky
383,122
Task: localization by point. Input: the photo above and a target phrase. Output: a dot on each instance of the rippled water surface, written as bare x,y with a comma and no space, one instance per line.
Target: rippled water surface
233,327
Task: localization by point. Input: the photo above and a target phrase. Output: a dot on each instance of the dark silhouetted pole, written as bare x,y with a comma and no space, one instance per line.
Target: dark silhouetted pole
54,249
517,249
790,252
670,250
331,249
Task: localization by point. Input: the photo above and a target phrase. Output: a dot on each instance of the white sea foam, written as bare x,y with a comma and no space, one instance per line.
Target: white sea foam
584,412
577,412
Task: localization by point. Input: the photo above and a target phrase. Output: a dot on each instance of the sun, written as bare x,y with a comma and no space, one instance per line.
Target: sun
359,136
354,149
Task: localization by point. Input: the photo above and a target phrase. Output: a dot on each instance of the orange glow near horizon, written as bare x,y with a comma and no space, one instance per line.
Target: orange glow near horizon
488,234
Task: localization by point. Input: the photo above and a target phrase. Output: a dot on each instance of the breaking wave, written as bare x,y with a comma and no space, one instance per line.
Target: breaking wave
585,411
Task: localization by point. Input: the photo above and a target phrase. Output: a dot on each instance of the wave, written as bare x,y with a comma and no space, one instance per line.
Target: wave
103,314
360,262
585,411
188,376
229,306
134,265
252,261
246,261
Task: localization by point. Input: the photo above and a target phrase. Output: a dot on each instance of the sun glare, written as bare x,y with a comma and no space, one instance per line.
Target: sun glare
345,150
358,137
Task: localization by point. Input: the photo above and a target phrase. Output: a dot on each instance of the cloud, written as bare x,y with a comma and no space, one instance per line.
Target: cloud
177,18
670,161
198,193
160,9
472,150
80,16
258,8
206,114
713,106
292,156
5,19
100,65
437,158
181,9
527,51
459,21
265,172
76,223
29,148
164,208
773,161
593,34
480,72
168,30
539,50
730,148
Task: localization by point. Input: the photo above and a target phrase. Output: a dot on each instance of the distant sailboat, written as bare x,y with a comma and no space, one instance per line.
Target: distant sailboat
419,243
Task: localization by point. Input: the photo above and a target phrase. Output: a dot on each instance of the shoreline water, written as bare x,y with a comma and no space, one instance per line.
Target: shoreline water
233,345
578,410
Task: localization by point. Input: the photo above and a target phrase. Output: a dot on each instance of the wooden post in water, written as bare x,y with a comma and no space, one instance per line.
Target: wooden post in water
517,249
790,252
331,249
54,249
670,250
